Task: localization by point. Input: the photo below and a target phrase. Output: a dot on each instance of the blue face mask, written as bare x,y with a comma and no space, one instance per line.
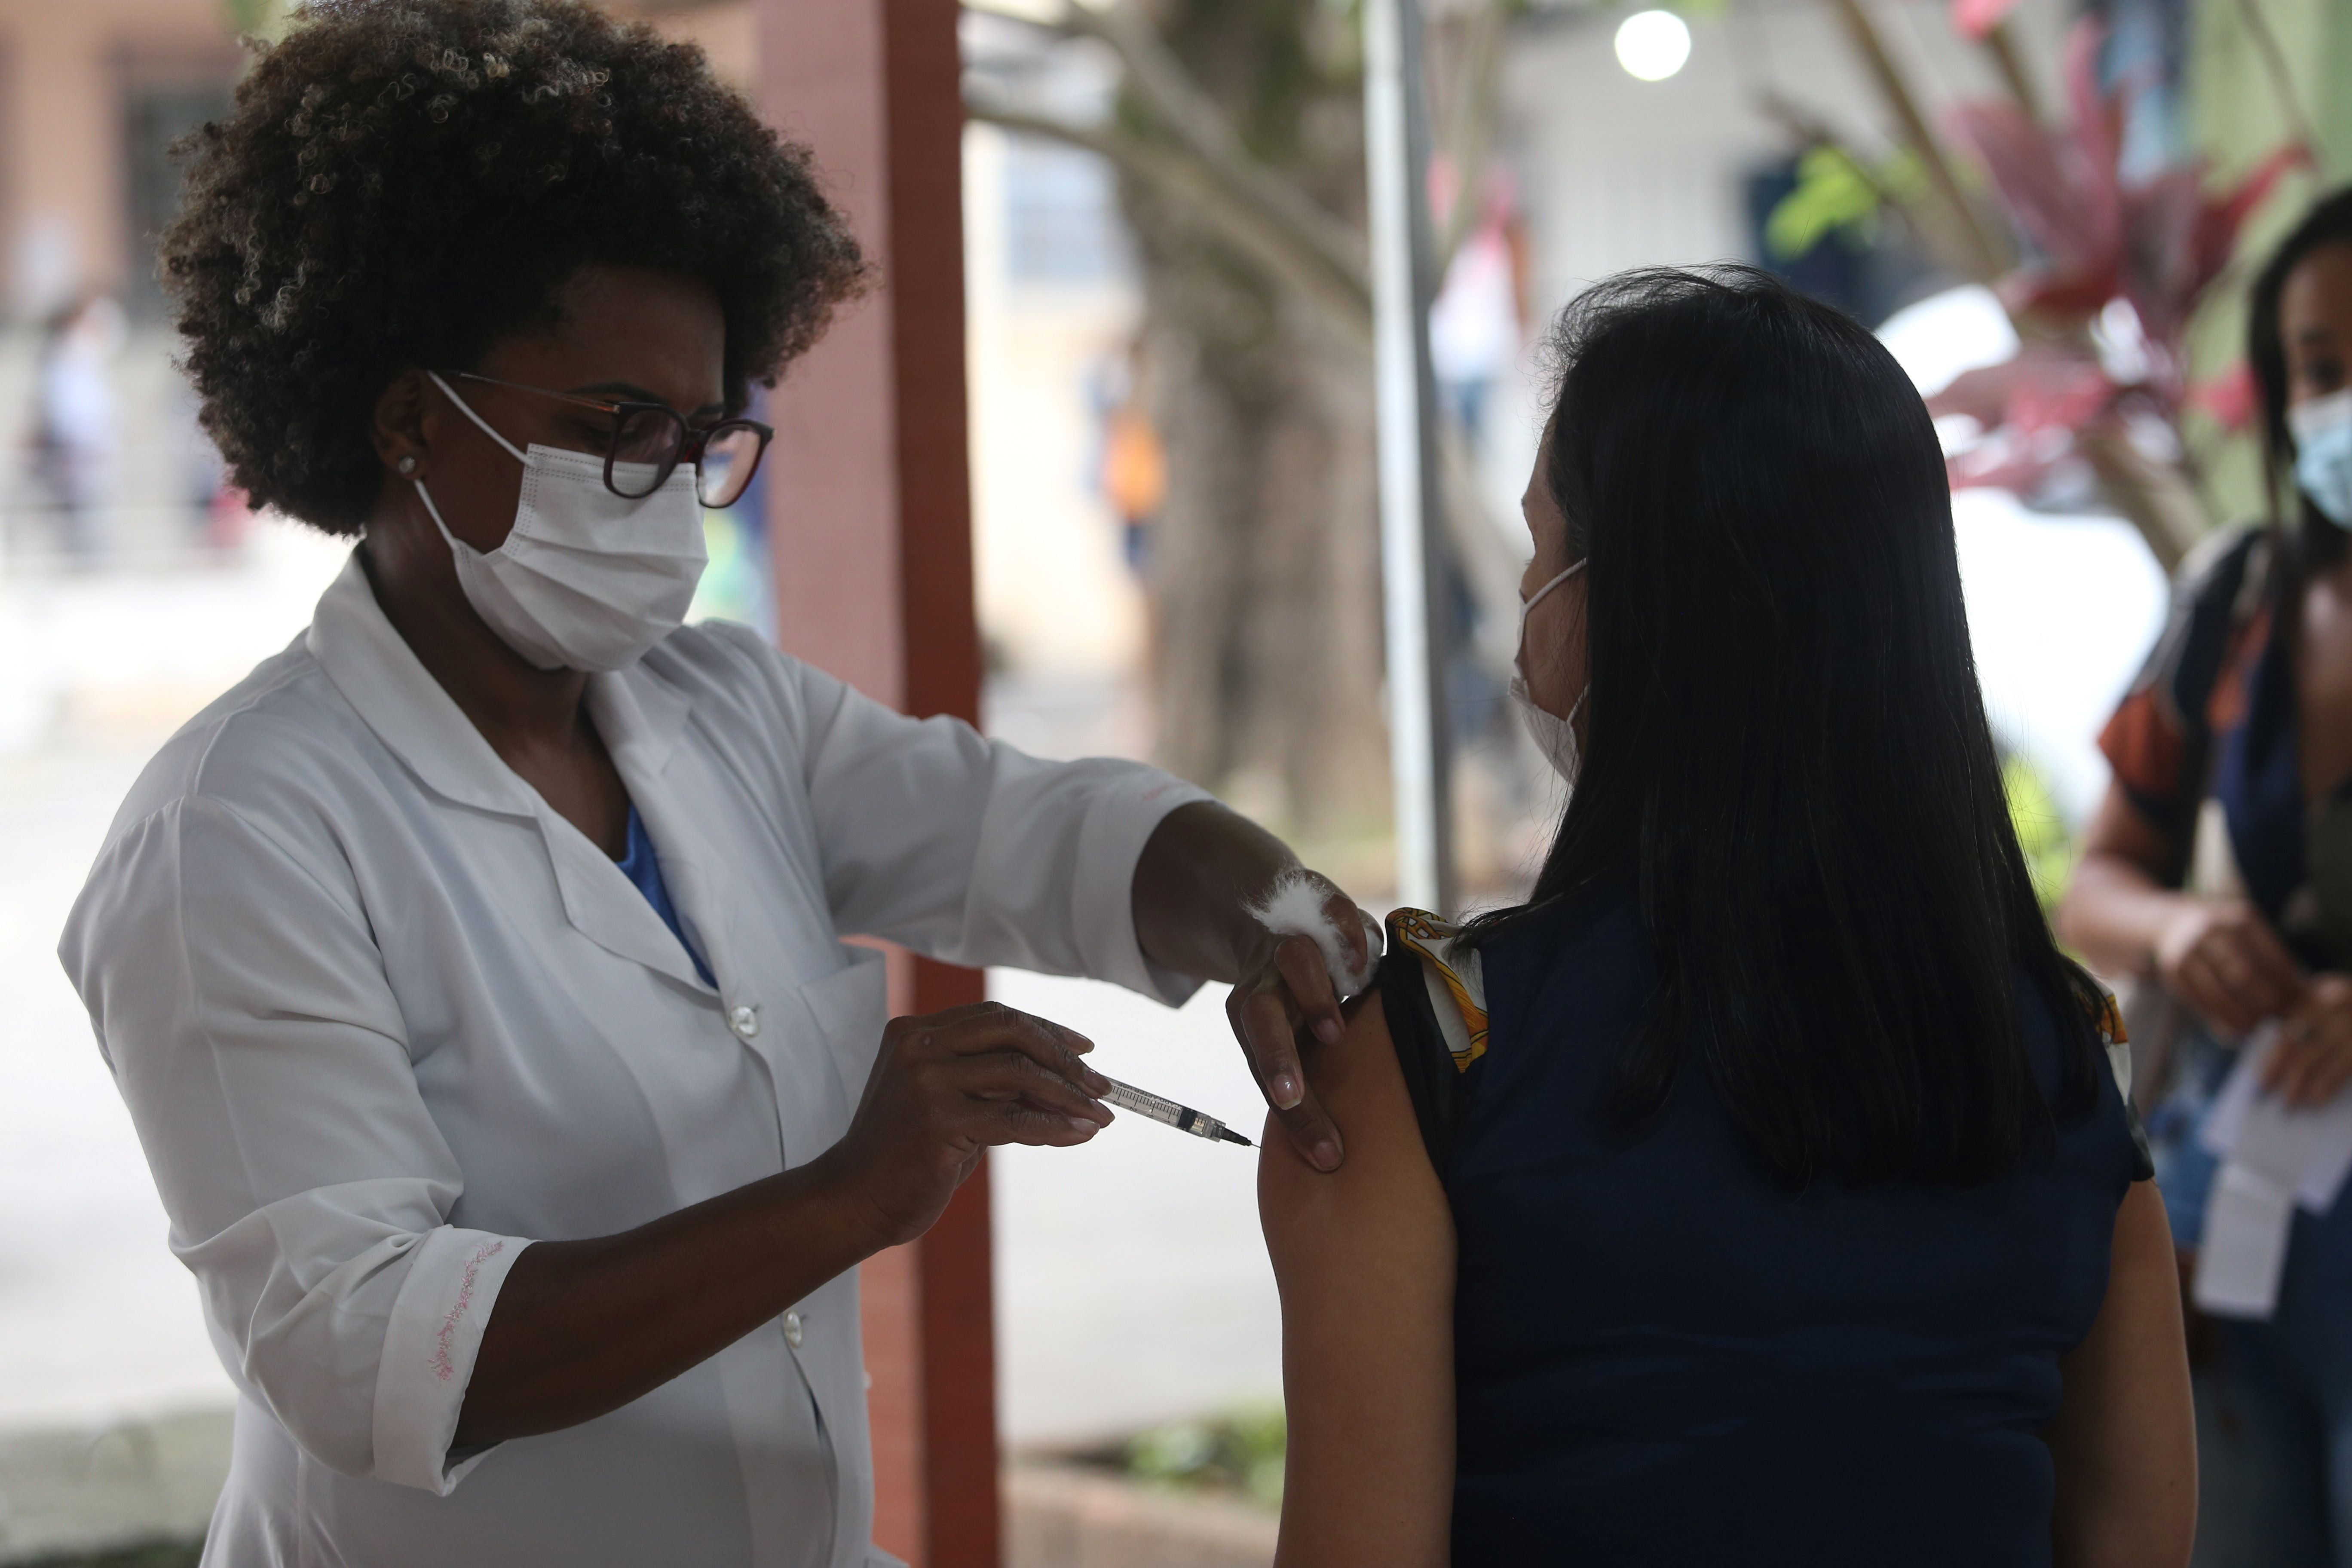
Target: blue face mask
2323,453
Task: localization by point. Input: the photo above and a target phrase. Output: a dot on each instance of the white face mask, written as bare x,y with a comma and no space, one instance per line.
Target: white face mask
587,579
2323,453
1554,736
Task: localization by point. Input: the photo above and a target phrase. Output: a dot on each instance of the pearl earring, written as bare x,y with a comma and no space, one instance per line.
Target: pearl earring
406,465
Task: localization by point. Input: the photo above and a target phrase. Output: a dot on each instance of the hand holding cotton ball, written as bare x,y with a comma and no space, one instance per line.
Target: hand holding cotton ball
1298,905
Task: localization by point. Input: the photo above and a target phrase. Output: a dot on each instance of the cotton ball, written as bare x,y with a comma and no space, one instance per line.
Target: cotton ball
1294,906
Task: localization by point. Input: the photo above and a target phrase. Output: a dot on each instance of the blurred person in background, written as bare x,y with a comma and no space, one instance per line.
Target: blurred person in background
1134,475
1763,1189
2220,868
1478,320
74,440
218,520
1126,462
473,971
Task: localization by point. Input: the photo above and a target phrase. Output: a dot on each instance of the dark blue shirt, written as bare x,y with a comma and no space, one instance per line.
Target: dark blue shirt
643,867
1663,1357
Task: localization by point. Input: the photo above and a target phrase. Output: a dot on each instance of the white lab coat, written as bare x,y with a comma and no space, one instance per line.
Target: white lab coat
383,1020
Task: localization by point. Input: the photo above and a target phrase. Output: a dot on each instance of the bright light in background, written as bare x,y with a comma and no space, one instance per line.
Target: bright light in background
1653,45
1958,330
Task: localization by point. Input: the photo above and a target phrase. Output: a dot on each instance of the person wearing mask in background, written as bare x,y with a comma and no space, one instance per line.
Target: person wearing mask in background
473,971
1762,1191
2220,868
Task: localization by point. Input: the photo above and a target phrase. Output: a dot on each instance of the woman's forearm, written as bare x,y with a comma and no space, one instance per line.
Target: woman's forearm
2115,912
1198,885
582,1328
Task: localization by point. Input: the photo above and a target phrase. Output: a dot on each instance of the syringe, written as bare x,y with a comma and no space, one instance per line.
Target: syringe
1183,1118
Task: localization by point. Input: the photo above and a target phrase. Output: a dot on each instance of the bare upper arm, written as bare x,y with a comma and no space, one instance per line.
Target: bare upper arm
2125,1444
1364,1257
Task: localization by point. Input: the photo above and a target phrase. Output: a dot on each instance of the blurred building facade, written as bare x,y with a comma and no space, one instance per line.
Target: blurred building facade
92,92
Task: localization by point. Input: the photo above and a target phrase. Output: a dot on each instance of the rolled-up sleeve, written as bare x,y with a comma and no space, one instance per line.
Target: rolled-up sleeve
975,852
240,1000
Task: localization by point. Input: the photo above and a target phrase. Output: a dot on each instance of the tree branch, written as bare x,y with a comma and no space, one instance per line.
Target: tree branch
2266,45
1469,143
1189,115
2155,497
2000,43
1182,177
1984,257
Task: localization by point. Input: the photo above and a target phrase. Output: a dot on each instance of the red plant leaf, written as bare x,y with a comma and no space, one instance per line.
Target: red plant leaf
1975,18
2062,300
2020,473
2229,398
2159,274
2216,235
2039,191
2043,387
2096,137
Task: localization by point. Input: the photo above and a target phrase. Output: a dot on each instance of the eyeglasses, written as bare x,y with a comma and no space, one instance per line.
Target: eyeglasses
653,438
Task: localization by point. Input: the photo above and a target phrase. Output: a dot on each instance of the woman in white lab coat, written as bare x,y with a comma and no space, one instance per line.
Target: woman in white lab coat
474,970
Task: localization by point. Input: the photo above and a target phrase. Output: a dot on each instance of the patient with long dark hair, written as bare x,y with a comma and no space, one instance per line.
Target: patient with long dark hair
1762,1190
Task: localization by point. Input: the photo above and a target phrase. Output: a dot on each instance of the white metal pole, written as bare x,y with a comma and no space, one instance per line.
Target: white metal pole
1396,171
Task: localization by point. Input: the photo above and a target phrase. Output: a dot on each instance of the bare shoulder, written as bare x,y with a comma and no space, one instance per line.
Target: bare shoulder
1386,1180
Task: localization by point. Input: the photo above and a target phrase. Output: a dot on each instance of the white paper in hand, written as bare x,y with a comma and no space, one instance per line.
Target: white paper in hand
2247,1219
2273,1159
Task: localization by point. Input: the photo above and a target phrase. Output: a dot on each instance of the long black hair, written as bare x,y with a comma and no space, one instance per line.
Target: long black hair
2313,540
1787,740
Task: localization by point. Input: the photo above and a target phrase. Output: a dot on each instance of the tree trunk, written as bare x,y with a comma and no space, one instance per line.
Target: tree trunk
1266,553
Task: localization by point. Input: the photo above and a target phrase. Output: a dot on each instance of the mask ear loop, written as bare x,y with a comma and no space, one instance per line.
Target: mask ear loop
1526,607
1530,604
456,544
466,409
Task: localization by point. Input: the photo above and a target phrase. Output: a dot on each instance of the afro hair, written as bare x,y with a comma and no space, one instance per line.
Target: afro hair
406,182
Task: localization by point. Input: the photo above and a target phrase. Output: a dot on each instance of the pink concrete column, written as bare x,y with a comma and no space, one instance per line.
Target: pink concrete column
871,527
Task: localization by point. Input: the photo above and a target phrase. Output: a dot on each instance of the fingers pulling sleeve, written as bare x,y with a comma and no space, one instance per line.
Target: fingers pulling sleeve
239,998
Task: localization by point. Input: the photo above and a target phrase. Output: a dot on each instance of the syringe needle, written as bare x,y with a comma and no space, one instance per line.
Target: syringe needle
1183,1118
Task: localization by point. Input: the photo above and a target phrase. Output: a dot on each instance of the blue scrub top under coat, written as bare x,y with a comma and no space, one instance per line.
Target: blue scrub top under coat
643,867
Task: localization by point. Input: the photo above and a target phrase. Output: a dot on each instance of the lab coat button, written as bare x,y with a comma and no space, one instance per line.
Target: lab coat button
793,1335
744,1021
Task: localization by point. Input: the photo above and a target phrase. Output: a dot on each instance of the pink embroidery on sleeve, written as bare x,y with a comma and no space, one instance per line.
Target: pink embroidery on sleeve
443,1367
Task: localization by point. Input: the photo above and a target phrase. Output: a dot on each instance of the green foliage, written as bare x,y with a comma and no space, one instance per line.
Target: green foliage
2041,831
263,19
1837,194
1241,1452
